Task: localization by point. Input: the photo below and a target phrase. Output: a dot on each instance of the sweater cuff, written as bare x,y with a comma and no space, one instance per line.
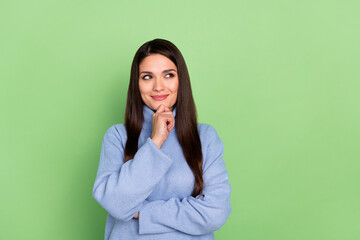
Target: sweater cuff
154,148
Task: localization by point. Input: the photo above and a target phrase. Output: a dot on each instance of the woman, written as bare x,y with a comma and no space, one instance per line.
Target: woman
161,174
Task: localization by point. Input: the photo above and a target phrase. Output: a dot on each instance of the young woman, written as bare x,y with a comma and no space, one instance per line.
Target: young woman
161,174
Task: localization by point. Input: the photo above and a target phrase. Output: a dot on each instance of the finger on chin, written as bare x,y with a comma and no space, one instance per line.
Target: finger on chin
161,108
167,109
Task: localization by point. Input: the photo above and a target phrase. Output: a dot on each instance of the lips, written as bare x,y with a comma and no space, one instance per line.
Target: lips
159,97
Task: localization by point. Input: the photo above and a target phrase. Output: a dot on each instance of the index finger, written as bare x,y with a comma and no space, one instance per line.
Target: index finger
162,108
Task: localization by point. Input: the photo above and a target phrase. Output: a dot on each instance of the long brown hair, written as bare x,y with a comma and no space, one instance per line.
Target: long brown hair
185,118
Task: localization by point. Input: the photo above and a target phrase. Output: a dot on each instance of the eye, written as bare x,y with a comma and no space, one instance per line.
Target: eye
146,77
169,75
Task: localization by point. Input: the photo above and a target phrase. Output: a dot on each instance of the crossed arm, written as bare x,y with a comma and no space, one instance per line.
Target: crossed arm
122,189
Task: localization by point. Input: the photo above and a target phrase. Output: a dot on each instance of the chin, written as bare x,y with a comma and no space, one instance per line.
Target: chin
155,106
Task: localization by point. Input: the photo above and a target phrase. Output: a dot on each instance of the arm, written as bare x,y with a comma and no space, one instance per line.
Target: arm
120,187
196,216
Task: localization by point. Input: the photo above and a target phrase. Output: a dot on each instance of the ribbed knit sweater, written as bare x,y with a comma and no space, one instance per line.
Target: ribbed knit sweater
158,184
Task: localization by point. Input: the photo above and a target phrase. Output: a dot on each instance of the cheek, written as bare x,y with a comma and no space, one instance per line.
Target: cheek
143,87
174,86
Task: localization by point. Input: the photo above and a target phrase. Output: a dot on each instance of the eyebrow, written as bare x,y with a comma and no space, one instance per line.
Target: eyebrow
167,70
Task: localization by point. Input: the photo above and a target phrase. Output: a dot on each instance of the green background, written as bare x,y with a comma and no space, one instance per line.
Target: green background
279,80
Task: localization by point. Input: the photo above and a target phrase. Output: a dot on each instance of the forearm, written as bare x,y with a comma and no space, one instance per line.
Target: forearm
189,215
122,192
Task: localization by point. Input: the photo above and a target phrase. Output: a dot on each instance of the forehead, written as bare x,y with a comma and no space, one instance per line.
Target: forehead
156,63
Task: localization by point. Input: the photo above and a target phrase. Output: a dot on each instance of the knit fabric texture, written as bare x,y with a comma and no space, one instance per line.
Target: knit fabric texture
158,184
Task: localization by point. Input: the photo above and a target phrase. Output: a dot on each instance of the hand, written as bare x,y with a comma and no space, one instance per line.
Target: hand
163,122
136,215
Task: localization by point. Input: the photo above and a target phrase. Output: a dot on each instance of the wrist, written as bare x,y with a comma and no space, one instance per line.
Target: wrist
157,142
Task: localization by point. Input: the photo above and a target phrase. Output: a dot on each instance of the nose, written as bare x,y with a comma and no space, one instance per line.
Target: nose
158,85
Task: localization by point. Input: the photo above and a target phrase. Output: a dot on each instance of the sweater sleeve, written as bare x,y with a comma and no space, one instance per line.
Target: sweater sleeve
121,188
196,216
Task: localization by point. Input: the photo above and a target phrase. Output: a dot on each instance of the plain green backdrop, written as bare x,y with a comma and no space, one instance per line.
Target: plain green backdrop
279,80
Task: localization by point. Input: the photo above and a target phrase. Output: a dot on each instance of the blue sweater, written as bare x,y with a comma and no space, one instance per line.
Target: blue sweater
158,184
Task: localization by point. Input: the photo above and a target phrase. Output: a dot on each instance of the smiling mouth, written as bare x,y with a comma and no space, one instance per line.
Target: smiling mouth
159,97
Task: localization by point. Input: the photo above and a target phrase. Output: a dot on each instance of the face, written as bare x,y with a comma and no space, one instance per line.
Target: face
158,81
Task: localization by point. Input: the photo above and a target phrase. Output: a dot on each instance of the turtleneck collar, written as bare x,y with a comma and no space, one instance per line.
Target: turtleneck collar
148,113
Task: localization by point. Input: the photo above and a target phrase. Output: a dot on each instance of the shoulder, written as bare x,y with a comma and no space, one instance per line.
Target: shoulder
116,133
209,136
